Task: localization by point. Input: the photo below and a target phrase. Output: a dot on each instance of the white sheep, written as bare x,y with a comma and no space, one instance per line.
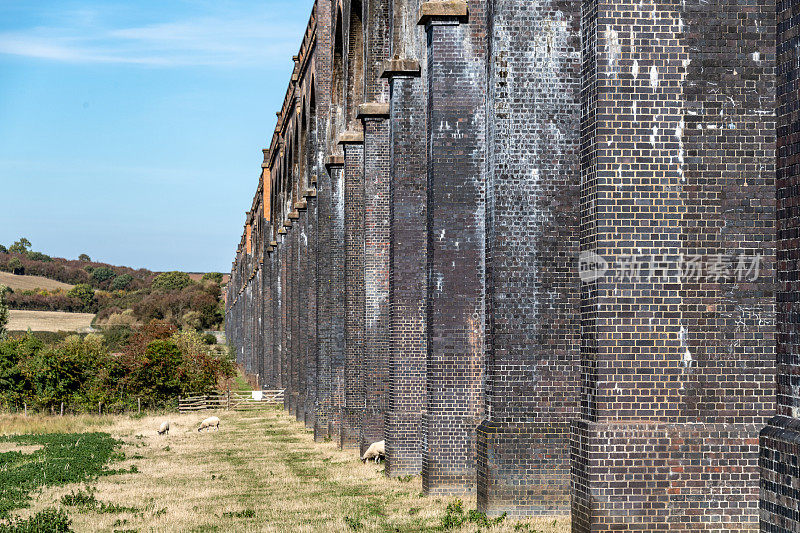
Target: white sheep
376,451
164,429
208,423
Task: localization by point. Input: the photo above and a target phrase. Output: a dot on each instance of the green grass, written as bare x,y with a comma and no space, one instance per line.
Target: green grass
62,459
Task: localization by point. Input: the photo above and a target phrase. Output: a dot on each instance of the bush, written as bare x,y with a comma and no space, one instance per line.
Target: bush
172,281
3,249
38,256
3,311
209,339
122,282
216,277
102,274
84,258
84,293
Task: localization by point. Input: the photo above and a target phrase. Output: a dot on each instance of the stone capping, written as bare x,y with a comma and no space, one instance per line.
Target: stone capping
301,205
444,10
334,161
270,249
373,110
310,193
282,231
274,244
294,215
397,67
351,137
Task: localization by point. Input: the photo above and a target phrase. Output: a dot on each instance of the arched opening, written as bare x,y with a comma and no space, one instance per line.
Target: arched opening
337,96
355,65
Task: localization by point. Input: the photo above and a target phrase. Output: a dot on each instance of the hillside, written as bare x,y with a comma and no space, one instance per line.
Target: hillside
27,283
118,295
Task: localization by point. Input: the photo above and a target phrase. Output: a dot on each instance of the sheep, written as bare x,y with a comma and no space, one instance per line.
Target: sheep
208,423
164,429
376,451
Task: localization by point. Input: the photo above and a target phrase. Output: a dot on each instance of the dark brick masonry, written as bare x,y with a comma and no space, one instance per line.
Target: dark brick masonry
412,267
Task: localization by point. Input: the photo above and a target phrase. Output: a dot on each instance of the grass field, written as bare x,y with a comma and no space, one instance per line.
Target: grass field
260,472
24,283
49,321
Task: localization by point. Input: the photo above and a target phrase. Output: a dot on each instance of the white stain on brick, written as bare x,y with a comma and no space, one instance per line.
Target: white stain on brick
653,77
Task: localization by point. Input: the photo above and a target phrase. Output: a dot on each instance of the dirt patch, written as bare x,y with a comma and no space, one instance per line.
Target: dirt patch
8,447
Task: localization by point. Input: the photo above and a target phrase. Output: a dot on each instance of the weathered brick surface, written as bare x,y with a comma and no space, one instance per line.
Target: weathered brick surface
533,288
455,210
353,407
780,440
678,162
429,292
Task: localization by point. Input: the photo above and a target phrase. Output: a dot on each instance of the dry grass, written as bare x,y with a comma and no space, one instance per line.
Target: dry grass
260,472
26,283
49,321
40,424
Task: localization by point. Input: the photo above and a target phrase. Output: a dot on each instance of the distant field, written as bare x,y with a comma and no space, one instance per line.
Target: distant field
24,283
49,321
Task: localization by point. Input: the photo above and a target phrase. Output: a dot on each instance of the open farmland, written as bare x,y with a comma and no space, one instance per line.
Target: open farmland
259,472
26,283
49,321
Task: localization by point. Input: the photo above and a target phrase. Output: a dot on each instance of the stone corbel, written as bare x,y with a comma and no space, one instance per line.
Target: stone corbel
351,137
401,68
294,215
373,110
302,205
448,10
334,160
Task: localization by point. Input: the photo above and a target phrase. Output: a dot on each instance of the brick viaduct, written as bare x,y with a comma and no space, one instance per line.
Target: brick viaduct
417,263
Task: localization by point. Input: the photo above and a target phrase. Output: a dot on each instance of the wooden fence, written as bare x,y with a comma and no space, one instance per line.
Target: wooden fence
232,401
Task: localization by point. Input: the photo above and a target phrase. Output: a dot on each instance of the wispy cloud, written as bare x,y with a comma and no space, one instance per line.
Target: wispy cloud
225,40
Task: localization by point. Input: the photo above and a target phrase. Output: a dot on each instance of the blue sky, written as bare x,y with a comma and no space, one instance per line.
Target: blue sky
132,130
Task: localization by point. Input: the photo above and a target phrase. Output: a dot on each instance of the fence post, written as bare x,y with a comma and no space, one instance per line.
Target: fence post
100,408
139,403
25,405
228,394
62,409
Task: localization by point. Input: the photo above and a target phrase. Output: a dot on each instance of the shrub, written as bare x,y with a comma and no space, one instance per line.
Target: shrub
172,281
102,274
209,339
83,292
84,258
216,277
38,256
122,282
3,311
3,249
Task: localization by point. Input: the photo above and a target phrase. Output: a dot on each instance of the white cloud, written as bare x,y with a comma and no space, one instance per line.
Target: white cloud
226,40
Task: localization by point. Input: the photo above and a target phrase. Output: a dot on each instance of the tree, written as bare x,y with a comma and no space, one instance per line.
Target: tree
216,277
84,258
172,281
21,246
3,311
83,292
3,249
15,266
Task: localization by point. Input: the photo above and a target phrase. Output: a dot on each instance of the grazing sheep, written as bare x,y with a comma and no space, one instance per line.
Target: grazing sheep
376,451
164,429
209,423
